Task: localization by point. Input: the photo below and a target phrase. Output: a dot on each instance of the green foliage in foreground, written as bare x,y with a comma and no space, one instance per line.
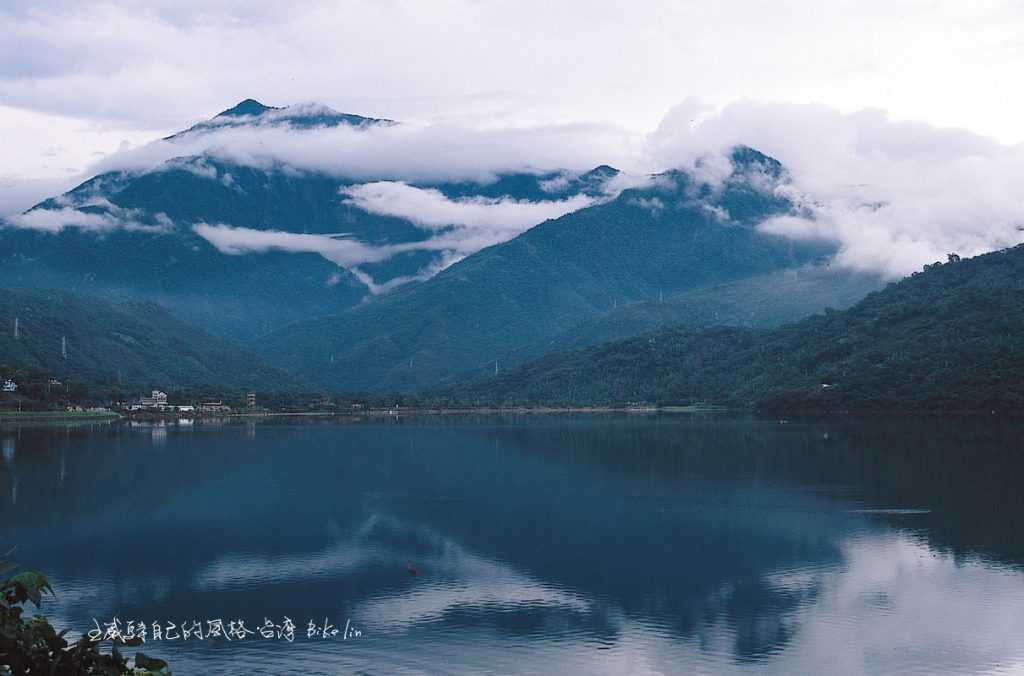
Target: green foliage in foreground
945,339
30,645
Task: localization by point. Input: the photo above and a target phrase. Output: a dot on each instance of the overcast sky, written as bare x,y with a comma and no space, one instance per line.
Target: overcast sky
79,79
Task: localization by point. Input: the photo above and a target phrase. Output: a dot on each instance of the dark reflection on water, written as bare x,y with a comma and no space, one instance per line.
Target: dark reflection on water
598,544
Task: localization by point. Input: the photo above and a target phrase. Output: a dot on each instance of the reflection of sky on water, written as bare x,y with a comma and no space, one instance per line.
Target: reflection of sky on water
538,552
8,446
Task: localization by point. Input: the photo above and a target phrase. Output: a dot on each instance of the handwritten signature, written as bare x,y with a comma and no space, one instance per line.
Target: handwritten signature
217,629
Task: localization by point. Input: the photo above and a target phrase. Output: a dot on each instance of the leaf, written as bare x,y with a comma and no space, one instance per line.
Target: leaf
33,584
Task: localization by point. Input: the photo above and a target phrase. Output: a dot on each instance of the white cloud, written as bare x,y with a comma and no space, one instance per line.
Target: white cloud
405,152
558,183
652,204
236,241
895,195
430,208
457,228
55,220
347,253
197,166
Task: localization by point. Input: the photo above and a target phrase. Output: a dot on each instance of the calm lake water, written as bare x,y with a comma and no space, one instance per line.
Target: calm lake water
542,545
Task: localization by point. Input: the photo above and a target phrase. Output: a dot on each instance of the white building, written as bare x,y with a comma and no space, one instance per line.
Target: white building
10,386
156,401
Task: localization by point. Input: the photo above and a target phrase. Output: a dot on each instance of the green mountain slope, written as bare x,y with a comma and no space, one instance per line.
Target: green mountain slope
675,235
135,345
948,338
761,301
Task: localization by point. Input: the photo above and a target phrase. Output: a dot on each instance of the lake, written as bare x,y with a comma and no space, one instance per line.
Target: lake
603,544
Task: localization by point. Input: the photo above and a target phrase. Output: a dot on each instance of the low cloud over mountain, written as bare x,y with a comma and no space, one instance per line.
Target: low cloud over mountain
894,195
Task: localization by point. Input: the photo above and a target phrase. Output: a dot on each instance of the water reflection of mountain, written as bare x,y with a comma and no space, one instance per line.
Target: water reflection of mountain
945,478
583,525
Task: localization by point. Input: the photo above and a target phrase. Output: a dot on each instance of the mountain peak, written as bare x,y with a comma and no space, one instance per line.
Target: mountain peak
745,157
298,116
248,107
602,171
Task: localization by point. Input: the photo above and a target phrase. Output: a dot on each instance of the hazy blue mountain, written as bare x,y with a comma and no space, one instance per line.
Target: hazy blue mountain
667,250
130,346
672,235
240,296
161,258
944,339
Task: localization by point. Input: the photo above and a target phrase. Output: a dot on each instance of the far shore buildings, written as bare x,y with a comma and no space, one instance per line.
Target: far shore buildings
214,407
157,402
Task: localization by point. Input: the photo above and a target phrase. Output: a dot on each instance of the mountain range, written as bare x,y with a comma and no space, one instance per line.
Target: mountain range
339,281
169,234
671,237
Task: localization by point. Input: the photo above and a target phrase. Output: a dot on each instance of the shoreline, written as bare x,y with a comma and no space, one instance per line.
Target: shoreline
395,412
59,415
486,410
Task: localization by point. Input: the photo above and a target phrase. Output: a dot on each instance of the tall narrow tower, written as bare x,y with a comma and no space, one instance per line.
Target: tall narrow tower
64,347
16,327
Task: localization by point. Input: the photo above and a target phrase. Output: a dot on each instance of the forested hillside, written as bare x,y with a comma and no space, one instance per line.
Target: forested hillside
947,338
762,301
121,346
